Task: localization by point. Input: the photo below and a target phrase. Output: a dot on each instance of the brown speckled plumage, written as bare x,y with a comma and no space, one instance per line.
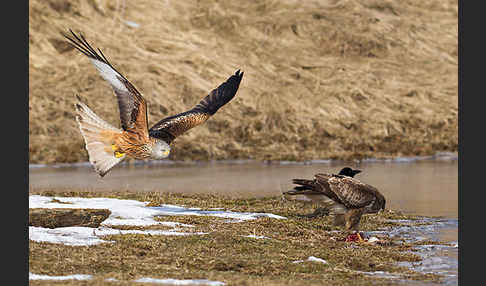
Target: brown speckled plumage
107,145
343,196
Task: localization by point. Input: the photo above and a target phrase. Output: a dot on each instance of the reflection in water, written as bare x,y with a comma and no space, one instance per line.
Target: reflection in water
423,187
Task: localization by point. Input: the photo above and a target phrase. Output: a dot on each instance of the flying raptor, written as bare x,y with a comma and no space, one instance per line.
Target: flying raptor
108,145
342,195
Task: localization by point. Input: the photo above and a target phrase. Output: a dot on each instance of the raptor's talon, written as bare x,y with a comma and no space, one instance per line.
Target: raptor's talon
118,154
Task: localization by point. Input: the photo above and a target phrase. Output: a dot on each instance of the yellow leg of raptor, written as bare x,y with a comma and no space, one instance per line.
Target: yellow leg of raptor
117,154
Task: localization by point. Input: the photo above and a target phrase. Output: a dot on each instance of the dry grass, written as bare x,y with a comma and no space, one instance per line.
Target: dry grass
61,217
323,79
224,254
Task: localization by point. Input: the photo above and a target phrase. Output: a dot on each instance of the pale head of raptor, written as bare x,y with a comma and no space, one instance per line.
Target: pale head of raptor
160,150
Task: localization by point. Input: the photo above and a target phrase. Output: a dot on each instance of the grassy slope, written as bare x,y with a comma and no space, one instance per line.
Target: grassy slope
323,79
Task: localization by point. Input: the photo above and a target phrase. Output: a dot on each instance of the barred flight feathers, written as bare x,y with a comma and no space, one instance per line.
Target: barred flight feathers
171,127
132,106
98,136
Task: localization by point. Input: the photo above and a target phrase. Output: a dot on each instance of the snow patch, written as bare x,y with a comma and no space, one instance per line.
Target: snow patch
312,259
78,236
256,236
123,212
381,274
179,282
373,239
33,276
131,212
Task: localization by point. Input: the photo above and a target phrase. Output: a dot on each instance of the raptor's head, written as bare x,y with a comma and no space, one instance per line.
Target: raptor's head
160,150
346,171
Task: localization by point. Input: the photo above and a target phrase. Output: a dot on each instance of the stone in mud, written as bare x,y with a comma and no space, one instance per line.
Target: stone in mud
52,218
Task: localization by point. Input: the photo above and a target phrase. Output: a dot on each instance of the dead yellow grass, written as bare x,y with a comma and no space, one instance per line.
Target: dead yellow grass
323,79
224,254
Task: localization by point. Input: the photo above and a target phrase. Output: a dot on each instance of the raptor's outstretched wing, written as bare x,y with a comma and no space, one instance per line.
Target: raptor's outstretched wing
133,109
169,128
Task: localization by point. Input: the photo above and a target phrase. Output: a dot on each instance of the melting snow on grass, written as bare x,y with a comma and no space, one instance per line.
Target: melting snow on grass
131,212
67,277
77,235
256,236
381,274
236,216
312,259
179,282
33,276
123,212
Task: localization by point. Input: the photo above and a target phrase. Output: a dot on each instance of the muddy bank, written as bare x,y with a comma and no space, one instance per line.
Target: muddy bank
323,79
52,218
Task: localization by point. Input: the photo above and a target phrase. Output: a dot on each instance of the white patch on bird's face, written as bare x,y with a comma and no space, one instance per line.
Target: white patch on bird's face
160,150
109,74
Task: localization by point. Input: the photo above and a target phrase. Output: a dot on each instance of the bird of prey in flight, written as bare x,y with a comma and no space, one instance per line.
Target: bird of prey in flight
108,145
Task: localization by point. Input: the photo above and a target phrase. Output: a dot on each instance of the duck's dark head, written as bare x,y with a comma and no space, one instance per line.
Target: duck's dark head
346,171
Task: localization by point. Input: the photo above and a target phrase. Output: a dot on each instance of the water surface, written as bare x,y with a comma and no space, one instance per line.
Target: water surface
424,187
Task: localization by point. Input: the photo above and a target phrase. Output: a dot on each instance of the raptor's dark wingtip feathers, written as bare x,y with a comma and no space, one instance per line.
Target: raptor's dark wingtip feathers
239,73
239,76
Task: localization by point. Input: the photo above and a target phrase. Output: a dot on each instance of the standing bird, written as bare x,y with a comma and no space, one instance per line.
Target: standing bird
108,145
343,196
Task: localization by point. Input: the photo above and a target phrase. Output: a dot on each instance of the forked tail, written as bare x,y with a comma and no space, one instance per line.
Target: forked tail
99,137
